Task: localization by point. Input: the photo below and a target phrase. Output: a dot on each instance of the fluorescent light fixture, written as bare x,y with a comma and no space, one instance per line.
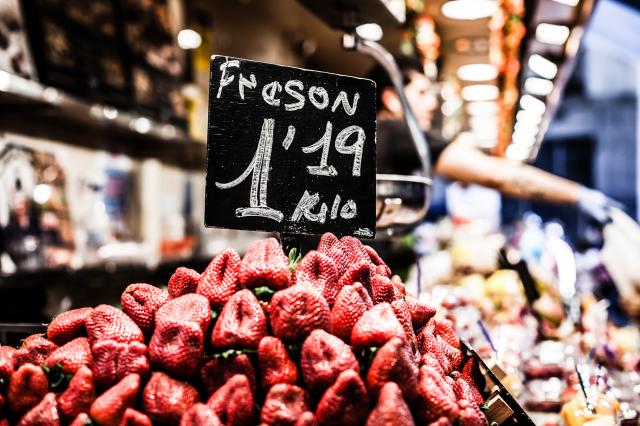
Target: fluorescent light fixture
189,39
532,105
527,116
469,9
542,66
477,72
552,34
480,92
482,108
571,3
517,152
538,86
371,32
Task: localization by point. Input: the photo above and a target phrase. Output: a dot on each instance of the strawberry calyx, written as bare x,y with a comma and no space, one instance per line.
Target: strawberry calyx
58,379
231,353
366,356
294,258
263,293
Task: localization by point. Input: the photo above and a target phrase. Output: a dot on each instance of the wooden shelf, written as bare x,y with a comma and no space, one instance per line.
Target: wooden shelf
29,108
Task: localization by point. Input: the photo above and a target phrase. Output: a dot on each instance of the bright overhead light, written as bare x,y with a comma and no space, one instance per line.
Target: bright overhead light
532,105
477,72
141,125
552,34
469,9
480,92
527,116
543,67
517,152
538,86
571,3
371,32
189,39
482,108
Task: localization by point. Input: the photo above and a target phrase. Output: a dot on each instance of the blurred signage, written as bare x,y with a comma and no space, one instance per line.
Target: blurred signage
290,150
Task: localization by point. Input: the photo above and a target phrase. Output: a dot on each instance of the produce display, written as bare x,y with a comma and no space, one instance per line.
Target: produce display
329,339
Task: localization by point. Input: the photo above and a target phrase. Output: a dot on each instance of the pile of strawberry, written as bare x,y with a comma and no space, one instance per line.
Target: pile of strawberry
331,340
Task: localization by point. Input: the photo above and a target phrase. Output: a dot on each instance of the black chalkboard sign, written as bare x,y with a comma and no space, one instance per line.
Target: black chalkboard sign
290,150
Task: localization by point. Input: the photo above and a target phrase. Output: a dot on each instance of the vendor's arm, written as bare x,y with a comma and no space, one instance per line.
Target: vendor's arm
461,161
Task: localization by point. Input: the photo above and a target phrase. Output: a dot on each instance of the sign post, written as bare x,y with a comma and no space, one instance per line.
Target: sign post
290,150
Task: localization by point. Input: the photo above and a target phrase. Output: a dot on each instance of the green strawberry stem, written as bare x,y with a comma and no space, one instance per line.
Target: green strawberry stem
230,353
294,258
263,293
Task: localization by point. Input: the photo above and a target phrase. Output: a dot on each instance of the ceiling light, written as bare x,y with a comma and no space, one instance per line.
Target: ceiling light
371,32
527,116
480,92
477,72
482,108
543,67
571,3
552,34
141,125
469,9
189,39
538,86
532,105
517,152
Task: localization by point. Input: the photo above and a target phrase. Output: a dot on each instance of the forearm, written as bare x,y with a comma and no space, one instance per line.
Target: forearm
462,162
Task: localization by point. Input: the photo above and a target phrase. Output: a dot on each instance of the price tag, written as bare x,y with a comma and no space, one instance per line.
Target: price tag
290,150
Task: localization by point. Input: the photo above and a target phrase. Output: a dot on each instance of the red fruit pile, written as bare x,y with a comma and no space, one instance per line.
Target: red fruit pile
334,340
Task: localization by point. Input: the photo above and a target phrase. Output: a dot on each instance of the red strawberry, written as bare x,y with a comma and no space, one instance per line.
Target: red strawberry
327,241
200,415
108,323
109,408
68,325
434,345
399,285
464,390
81,419
352,302
359,271
275,364
322,358
165,399
241,323
401,311
177,344
5,422
437,397
6,362
426,336
383,290
376,327
420,312
113,361
43,414
265,264
140,302
318,271
306,419
430,361
27,386
233,403
283,405
35,349
220,280
444,329
134,418
330,245
71,356
78,396
381,267
391,410
470,414
183,281
345,402
442,421
216,372
393,362
296,311
471,373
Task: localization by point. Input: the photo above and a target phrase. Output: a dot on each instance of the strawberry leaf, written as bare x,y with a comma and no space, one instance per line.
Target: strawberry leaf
58,379
294,258
263,293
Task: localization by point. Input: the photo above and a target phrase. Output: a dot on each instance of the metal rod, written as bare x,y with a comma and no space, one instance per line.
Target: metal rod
384,58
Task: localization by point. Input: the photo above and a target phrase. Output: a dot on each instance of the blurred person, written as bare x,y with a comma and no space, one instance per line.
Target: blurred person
460,160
